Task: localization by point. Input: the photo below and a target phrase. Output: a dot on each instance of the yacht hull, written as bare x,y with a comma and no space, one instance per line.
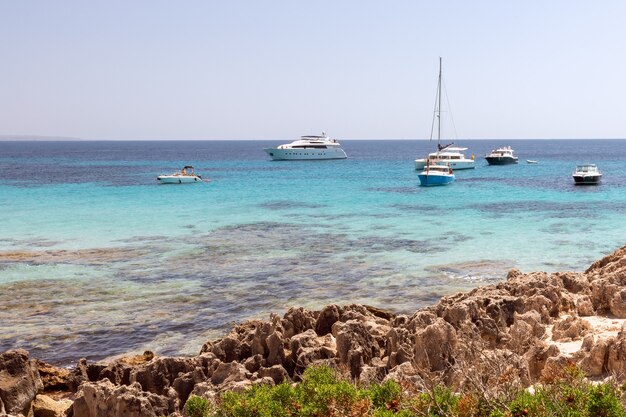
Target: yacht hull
431,180
501,160
178,179
304,154
420,164
587,179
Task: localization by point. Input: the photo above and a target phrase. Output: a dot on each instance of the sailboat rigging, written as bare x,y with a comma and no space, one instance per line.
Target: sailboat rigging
449,154
434,171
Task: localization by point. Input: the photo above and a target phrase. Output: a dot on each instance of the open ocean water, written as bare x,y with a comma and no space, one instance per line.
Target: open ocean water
97,259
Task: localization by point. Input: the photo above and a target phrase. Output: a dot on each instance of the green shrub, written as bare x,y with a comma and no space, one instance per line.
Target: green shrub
472,404
384,395
443,402
568,400
391,413
198,407
604,402
527,404
261,401
321,393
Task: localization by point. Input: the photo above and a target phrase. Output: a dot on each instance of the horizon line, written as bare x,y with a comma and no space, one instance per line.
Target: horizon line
37,138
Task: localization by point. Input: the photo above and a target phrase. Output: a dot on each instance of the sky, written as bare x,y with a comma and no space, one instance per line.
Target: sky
357,69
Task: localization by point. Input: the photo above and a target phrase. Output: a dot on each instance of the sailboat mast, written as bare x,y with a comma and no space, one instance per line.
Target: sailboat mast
439,107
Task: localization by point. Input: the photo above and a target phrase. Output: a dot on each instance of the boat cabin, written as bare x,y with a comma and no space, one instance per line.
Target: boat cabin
438,168
586,168
502,152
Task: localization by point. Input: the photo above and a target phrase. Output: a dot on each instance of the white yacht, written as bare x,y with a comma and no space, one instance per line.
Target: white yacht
501,156
450,155
587,174
308,147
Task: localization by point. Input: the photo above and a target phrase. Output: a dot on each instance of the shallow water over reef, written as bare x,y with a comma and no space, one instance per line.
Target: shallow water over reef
96,259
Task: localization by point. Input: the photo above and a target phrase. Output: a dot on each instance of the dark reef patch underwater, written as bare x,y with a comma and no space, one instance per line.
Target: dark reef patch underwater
157,292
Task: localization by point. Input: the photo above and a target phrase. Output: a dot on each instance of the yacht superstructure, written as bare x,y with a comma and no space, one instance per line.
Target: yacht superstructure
450,155
308,147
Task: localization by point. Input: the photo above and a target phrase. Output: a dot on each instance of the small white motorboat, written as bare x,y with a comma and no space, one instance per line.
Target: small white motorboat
186,175
587,174
531,161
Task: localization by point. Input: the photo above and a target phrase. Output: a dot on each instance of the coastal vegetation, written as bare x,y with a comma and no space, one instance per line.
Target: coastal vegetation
324,392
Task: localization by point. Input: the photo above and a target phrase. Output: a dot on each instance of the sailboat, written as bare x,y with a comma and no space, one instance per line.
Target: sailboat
448,154
435,171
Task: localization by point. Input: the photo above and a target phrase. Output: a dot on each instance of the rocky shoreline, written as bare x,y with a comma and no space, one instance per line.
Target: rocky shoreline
520,332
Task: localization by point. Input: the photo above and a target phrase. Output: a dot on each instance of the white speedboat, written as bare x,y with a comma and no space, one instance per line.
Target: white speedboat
434,174
501,156
587,174
451,156
185,176
308,147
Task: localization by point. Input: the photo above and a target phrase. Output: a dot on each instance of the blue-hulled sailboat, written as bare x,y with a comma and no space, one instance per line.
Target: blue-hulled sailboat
436,171
434,174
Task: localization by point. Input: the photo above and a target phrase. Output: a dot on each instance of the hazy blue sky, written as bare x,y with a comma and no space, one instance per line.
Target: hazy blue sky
279,69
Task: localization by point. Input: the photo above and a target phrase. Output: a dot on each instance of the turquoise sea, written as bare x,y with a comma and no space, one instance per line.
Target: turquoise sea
97,259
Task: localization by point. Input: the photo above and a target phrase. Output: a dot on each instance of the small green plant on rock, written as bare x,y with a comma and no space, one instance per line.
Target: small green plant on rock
198,407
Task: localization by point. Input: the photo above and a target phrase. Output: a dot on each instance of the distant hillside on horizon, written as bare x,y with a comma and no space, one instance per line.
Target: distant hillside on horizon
26,138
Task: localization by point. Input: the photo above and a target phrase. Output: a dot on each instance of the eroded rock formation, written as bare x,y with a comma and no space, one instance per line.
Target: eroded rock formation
19,382
521,330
